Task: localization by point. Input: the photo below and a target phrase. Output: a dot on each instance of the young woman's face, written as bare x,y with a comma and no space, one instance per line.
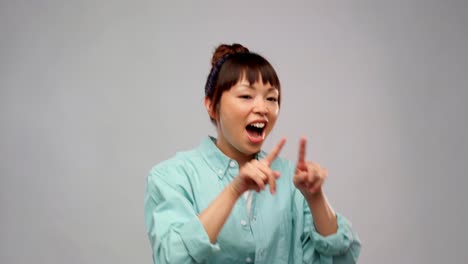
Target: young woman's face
245,116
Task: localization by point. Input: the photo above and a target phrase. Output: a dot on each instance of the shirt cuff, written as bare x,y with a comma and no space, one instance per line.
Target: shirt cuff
335,244
196,241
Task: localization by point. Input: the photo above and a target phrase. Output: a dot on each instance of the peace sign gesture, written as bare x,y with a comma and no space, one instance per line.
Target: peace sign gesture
255,174
309,176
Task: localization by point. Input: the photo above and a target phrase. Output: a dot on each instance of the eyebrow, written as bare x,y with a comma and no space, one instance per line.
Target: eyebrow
272,88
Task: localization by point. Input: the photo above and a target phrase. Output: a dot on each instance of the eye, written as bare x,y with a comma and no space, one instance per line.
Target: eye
245,96
272,99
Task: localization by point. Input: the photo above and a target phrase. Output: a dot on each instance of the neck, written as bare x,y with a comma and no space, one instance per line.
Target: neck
235,154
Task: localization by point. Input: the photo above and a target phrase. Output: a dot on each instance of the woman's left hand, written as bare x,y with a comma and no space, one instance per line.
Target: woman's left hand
309,176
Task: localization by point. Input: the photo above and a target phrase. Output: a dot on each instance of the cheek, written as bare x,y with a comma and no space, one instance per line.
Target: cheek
275,108
235,111
273,118
274,112
227,117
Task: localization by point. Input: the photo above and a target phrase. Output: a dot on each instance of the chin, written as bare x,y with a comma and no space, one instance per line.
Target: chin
252,150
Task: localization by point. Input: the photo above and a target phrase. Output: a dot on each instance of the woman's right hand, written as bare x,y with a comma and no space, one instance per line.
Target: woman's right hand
255,174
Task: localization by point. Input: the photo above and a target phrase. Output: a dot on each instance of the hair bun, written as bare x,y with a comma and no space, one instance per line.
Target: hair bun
224,49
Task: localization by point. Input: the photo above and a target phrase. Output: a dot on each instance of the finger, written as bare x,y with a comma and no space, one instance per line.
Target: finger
272,183
256,176
300,177
302,150
301,163
311,174
277,174
258,181
261,170
316,186
323,176
260,178
270,174
275,152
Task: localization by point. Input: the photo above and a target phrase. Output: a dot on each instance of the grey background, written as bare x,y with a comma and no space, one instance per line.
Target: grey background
94,93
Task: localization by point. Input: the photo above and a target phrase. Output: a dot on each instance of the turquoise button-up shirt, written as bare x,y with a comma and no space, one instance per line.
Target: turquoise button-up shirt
278,229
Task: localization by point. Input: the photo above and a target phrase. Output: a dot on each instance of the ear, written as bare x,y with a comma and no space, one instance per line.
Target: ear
209,108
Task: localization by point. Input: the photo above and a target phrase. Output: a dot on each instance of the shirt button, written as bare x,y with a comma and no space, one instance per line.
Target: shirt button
232,164
220,172
248,260
243,222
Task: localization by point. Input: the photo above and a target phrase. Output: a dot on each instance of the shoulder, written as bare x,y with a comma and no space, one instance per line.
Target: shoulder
175,170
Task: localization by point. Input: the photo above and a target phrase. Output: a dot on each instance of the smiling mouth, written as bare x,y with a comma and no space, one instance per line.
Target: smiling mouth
256,131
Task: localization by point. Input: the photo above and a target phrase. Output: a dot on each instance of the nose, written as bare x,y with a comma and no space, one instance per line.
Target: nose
261,107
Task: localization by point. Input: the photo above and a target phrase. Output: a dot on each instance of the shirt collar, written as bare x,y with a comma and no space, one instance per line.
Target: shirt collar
216,159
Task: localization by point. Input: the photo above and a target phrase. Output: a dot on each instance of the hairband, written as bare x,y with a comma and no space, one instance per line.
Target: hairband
213,76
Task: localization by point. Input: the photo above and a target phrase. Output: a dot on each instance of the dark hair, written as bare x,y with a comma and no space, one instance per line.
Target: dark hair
231,63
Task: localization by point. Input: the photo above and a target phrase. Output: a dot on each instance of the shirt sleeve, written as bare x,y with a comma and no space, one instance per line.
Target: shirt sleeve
342,247
174,229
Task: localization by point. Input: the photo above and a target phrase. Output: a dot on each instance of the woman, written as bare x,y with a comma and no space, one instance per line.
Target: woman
211,204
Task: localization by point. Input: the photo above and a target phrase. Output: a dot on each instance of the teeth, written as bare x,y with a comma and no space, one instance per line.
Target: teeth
258,125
